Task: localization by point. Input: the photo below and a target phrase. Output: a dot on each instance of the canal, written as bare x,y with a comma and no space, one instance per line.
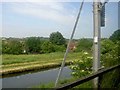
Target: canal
37,78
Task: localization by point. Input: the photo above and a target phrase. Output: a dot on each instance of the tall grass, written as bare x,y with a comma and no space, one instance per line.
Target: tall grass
22,63
57,56
63,82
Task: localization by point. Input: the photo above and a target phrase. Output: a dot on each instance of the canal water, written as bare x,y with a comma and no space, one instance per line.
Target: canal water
32,79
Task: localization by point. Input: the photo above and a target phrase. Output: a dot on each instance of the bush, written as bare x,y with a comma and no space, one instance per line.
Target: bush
84,45
33,45
109,53
106,46
47,47
83,66
12,47
110,56
59,48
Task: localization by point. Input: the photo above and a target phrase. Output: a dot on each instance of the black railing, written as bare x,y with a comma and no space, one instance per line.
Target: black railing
87,78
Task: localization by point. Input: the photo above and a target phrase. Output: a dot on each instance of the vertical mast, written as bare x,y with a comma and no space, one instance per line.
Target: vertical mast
96,37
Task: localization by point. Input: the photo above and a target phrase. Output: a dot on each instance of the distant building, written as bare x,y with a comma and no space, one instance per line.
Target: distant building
72,46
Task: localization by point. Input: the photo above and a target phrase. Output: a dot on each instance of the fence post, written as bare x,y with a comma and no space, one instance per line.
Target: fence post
100,77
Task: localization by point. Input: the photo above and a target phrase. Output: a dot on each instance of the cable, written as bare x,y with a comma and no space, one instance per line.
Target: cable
67,50
106,1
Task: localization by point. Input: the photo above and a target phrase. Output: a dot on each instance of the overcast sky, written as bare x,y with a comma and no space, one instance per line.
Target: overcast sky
25,19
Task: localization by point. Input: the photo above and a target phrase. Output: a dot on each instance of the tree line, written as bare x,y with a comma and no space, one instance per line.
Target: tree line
55,43
34,45
39,45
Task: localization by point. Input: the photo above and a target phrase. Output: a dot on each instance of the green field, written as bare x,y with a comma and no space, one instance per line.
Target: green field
16,63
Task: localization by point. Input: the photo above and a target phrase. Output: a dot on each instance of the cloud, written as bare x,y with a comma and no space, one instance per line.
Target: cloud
52,11
54,0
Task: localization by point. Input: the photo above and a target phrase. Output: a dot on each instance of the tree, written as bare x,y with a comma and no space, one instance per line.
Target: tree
59,48
84,45
5,47
110,56
107,46
33,45
115,36
57,38
12,47
47,47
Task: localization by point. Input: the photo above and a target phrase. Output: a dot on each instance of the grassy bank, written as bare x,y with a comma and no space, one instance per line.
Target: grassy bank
22,63
63,82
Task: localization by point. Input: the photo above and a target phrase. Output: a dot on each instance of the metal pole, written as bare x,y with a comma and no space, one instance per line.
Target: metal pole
96,41
67,50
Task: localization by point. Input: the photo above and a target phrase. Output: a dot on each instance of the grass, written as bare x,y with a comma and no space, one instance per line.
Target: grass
15,59
21,63
63,82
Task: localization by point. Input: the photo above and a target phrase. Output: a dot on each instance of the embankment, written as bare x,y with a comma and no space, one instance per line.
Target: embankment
28,68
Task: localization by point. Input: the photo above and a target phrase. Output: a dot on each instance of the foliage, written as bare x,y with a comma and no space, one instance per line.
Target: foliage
110,56
57,38
106,46
109,53
82,66
47,47
63,82
37,58
24,63
12,47
33,45
115,36
0,46
84,45
59,48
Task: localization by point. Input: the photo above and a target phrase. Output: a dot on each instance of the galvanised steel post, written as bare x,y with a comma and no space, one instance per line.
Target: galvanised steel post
96,37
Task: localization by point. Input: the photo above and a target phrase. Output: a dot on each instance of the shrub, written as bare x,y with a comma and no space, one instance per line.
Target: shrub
84,45
83,66
47,47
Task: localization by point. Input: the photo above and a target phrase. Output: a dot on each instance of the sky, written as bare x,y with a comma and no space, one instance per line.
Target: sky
119,15
25,19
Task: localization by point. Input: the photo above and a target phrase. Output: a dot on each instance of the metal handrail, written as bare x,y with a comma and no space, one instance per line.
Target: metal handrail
87,78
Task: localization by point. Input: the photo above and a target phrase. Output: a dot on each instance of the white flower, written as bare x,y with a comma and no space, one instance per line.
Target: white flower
73,73
72,67
103,66
89,72
80,61
85,53
90,57
82,70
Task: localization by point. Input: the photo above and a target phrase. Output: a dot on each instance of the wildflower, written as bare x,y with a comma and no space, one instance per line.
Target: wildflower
72,67
90,57
89,72
73,73
82,70
87,68
103,66
85,53
80,61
